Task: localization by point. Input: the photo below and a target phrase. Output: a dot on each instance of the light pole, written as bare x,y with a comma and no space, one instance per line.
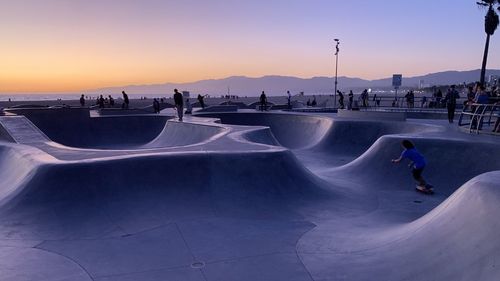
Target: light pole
336,69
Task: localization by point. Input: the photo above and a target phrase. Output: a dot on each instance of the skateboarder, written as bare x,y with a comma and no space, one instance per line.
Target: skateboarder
418,164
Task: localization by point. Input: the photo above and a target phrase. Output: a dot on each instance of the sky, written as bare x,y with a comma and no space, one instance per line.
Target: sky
73,45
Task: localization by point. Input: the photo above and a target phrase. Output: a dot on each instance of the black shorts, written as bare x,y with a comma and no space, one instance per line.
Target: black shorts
417,173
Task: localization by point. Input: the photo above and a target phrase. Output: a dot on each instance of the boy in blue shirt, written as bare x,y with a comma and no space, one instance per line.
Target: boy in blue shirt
418,162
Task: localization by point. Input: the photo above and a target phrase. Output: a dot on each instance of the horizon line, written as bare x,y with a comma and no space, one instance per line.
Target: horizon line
227,77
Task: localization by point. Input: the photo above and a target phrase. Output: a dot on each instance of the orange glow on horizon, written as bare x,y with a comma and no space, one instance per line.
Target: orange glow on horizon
75,46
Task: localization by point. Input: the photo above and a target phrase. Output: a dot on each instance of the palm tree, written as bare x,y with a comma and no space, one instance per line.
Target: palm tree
490,25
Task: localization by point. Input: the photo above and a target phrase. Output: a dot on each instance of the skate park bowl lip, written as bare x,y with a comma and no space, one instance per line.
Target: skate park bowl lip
76,128
305,131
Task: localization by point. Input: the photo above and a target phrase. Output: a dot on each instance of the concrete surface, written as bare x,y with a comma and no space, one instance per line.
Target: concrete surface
372,115
243,196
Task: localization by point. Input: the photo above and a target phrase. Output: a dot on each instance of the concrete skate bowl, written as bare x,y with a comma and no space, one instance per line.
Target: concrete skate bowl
234,213
131,195
124,216
450,163
320,134
458,240
291,131
75,128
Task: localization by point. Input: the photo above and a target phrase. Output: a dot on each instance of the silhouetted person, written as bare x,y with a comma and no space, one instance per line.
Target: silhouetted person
470,95
101,102
179,104
313,103
82,101
156,106
351,100
424,101
111,101
201,101
263,101
439,97
341,99
407,97
308,103
289,100
364,98
125,100
451,102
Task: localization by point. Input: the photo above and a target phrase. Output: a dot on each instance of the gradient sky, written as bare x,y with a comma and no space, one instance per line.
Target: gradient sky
72,45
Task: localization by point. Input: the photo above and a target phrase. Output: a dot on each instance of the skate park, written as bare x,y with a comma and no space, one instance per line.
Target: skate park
243,195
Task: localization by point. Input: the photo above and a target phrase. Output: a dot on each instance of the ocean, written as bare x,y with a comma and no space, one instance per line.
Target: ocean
66,96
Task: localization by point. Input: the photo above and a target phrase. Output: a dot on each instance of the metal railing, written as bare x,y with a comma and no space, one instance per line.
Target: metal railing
481,118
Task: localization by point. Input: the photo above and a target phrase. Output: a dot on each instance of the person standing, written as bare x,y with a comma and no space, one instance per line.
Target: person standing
351,100
408,99
263,101
82,101
101,102
451,102
439,97
111,101
125,100
201,101
412,99
424,102
156,106
364,98
179,104
289,99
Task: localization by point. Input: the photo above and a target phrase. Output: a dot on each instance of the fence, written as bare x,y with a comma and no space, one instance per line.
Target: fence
481,118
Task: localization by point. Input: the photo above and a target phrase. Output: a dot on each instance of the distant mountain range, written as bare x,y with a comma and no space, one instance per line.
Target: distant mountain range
278,85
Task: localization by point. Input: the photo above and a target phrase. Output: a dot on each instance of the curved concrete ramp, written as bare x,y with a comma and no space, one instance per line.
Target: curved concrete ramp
291,131
182,134
458,240
169,187
450,164
265,197
111,132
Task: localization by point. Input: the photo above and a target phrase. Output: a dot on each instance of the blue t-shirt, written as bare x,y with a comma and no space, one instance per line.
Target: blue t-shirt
414,156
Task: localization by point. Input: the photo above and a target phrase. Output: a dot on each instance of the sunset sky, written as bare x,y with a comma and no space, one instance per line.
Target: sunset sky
73,45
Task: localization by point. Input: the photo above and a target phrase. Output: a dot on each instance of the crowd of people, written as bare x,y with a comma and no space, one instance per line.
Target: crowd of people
105,102
471,95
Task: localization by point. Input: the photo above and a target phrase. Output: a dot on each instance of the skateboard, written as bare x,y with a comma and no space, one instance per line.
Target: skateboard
428,189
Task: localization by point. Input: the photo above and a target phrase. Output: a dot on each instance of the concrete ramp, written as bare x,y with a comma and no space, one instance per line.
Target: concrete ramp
450,163
21,130
141,193
348,137
291,131
183,133
458,240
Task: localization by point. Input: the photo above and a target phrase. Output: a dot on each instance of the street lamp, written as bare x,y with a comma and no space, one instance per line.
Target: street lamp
336,69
